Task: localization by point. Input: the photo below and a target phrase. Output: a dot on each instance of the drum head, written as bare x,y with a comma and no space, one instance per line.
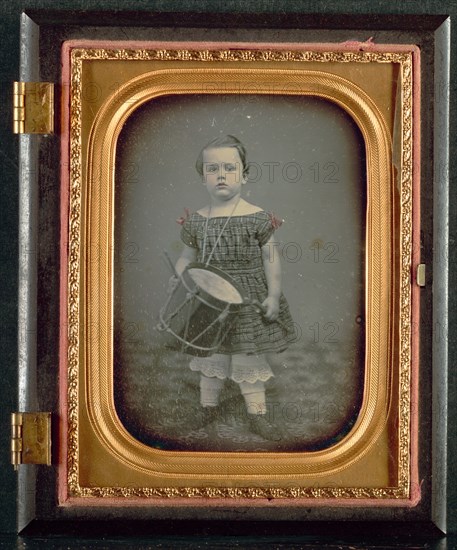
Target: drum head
216,283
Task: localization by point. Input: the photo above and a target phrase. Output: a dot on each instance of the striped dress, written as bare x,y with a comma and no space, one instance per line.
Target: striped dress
239,254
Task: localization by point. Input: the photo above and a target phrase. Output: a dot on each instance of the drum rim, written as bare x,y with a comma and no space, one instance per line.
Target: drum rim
228,278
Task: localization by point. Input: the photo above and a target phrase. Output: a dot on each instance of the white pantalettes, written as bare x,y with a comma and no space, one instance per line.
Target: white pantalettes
238,367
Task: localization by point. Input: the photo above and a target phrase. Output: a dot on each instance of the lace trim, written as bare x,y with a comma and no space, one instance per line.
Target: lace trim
221,367
251,373
217,366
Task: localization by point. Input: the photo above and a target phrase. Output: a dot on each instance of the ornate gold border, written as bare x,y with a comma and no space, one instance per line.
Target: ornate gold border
95,292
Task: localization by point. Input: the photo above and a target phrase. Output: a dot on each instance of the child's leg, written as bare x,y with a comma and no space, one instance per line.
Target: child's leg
251,372
213,372
210,388
254,396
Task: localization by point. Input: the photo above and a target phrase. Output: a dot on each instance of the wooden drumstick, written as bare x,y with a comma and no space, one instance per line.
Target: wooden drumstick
172,282
170,263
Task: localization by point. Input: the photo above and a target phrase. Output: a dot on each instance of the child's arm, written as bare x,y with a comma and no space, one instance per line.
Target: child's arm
188,255
272,268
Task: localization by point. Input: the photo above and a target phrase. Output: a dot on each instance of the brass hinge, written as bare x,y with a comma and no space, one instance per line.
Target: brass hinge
30,438
33,109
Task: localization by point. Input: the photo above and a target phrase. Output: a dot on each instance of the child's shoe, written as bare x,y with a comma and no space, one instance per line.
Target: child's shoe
204,417
259,424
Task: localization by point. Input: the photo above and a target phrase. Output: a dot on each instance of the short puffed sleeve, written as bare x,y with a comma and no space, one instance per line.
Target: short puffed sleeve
267,226
188,236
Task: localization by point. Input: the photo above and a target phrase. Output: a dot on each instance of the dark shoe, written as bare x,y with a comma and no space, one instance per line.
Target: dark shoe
259,425
203,417
209,415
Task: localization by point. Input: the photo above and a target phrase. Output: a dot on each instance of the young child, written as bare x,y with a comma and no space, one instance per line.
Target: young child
237,237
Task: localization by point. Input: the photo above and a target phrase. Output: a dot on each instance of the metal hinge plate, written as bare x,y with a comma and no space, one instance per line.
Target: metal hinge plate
33,109
30,438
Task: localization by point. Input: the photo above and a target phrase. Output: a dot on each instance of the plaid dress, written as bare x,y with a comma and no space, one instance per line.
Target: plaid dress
239,254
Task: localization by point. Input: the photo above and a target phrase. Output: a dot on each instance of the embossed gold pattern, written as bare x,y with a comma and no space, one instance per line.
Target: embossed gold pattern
377,393
405,274
244,492
73,290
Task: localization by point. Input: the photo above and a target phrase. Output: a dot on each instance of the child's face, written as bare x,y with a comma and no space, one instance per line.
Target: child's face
222,172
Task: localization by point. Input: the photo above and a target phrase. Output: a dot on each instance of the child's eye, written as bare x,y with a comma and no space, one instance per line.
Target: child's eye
212,167
230,167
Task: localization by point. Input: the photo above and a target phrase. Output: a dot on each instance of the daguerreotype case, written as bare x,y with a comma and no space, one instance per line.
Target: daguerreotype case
338,131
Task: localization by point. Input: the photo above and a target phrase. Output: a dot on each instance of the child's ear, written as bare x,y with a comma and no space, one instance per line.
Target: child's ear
246,170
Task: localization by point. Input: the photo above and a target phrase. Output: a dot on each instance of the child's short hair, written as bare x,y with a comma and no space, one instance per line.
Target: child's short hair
224,141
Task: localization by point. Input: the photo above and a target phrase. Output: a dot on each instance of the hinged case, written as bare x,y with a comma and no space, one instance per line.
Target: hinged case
128,114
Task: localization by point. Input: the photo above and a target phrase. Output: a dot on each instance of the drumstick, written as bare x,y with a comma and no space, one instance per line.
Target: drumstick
170,263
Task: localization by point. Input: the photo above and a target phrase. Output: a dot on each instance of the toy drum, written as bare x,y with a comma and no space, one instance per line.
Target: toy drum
200,310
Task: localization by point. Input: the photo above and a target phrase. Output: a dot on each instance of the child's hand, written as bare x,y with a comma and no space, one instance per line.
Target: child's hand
272,308
173,282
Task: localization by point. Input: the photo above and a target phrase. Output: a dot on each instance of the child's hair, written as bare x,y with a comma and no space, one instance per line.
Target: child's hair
224,141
